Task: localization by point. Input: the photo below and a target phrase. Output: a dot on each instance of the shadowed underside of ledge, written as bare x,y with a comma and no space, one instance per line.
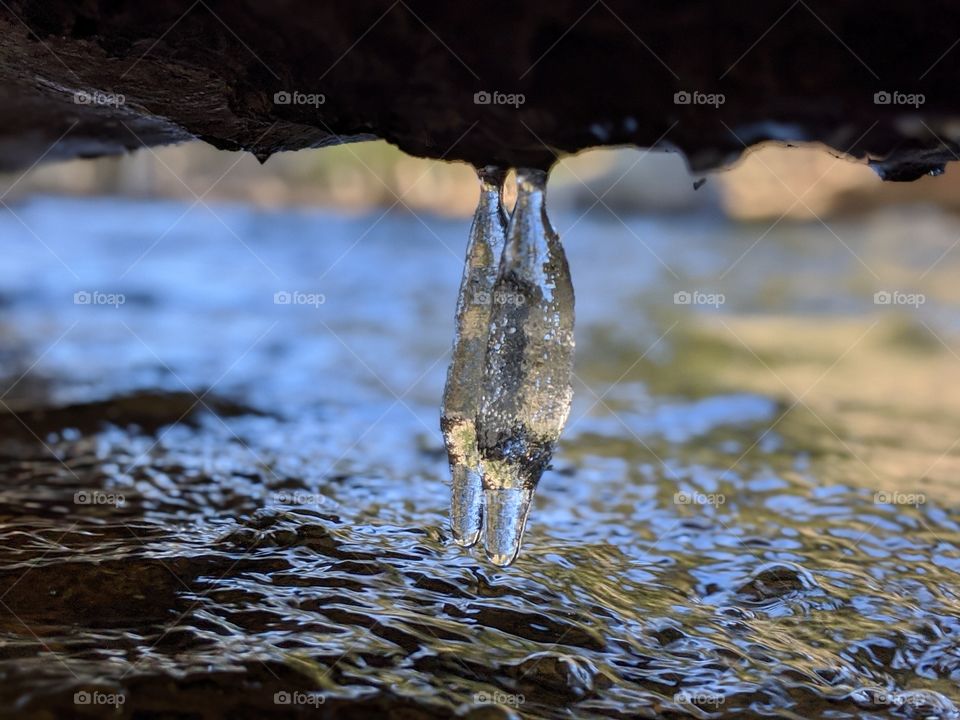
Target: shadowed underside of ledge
513,83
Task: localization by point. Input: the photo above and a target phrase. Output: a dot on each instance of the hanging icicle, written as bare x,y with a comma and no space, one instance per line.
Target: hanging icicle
461,397
527,387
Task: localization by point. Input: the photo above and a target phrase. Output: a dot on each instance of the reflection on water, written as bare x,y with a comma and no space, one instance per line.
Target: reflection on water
218,504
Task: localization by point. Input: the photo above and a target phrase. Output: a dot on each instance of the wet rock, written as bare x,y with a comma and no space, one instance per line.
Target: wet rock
564,675
667,633
876,651
911,703
776,580
534,626
96,595
487,712
147,410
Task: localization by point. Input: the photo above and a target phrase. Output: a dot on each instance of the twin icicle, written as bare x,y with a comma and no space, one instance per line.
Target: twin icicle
508,388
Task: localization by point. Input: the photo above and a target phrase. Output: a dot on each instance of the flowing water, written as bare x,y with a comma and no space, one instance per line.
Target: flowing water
224,492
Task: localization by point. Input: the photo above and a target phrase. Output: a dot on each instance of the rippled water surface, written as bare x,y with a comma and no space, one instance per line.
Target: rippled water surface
208,498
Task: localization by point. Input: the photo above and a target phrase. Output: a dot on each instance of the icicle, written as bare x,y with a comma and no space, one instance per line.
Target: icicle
529,363
461,396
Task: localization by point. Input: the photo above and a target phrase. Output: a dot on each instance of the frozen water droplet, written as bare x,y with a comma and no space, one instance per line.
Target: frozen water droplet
507,498
461,396
466,501
529,364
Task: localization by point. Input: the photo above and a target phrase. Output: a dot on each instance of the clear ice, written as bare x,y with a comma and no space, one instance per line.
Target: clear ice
527,387
524,391
461,396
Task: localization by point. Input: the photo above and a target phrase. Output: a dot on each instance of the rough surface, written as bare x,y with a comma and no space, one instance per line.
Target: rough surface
407,71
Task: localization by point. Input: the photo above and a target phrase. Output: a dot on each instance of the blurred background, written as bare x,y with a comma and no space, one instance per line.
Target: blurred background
795,242
359,177
803,249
